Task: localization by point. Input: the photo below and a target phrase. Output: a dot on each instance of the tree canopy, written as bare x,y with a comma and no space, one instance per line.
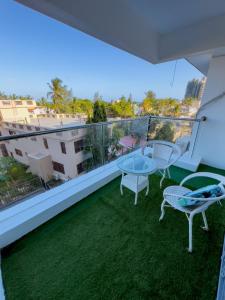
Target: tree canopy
167,106
59,94
123,108
61,100
99,113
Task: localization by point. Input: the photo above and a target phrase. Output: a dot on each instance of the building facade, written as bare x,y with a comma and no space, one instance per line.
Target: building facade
63,153
195,88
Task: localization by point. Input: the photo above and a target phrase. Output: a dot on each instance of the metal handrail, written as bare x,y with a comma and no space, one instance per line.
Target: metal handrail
44,132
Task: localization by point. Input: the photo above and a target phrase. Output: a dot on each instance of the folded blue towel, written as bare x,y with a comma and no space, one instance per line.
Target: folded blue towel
204,192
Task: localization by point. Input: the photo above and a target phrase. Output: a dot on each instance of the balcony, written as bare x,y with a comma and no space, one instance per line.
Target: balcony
103,246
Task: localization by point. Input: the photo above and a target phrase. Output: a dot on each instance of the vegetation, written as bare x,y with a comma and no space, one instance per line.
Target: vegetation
12,171
99,113
123,108
15,181
61,100
4,96
59,95
166,107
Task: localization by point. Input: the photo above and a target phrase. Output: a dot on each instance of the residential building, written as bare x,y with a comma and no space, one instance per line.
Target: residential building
64,150
195,88
16,110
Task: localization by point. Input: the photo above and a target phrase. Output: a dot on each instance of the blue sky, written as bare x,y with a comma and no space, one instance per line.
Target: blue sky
34,49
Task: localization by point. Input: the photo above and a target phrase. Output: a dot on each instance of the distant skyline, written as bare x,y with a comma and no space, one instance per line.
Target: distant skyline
34,49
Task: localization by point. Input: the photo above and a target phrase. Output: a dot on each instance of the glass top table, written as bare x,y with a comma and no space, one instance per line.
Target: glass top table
137,164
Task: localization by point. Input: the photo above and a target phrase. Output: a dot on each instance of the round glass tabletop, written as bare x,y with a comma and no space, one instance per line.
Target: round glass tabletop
137,164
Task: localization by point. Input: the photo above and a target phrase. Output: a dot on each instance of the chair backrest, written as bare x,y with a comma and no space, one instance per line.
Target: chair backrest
168,151
162,151
219,178
215,176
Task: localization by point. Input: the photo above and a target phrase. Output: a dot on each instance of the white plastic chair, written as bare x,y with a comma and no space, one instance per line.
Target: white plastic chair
172,193
165,155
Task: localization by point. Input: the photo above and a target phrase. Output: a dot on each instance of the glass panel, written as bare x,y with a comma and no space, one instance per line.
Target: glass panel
28,167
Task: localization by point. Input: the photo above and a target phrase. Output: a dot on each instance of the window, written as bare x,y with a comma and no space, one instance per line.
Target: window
63,147
58,167
21,126
14,125
29,102
80,168
29,128
18,152
6,102
18,102
34,139
0,133
7,124
79,146
45,143
4,150
84,166
12,132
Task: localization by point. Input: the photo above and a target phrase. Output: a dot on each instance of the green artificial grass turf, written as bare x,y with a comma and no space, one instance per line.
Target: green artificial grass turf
106,248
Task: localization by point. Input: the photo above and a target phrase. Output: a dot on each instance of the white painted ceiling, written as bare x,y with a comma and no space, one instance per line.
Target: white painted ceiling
155,30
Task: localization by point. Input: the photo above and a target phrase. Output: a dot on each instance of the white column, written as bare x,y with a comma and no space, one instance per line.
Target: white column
210,143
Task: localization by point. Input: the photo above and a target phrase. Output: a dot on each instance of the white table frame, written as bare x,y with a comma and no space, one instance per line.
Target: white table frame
136,181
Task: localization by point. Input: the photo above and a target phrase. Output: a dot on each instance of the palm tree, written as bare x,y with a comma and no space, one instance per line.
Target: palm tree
58,93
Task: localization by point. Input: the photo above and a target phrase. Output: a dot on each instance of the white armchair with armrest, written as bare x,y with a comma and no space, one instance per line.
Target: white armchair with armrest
165,155
172,194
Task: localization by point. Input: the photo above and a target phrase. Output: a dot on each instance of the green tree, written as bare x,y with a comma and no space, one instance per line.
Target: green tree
59,94
166,132
3,96
123,108
43,102
149,104
99,113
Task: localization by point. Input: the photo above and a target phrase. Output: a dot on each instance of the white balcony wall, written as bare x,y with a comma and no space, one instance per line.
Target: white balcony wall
210,143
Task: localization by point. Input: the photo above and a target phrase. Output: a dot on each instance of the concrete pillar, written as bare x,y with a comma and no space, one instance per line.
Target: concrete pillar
210,143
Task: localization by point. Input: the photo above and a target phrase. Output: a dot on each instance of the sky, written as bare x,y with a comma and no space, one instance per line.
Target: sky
35,48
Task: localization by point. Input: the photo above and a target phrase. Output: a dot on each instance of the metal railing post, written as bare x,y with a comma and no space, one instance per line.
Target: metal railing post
149,127
102,146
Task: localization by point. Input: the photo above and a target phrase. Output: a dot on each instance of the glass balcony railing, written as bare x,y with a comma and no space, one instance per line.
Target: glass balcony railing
33,160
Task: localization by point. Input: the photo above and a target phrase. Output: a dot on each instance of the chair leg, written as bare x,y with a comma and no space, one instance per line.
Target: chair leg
121,189
190,223
162,210
205,227
168,171
136,198
121,185
163,177
147,191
